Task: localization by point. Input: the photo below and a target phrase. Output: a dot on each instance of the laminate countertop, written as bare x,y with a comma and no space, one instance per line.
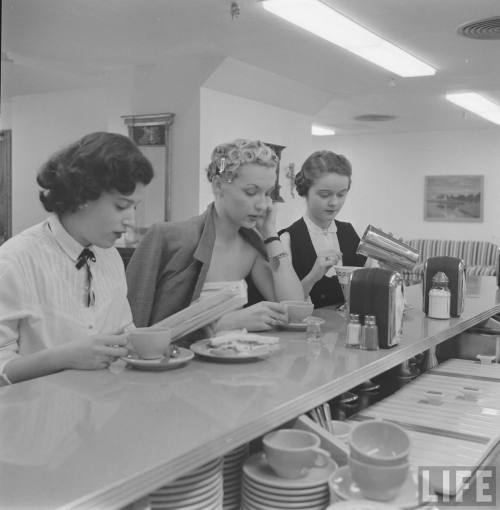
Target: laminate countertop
94,439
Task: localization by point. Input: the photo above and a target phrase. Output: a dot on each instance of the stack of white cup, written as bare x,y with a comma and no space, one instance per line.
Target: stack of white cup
379,458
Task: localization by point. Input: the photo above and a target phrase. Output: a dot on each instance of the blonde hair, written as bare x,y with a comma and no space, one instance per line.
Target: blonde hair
228,157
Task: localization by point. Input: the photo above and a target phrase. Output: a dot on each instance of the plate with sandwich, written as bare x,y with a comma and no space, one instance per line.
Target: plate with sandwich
234,346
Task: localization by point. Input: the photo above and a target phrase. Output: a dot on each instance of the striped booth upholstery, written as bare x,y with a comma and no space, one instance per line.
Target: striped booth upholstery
480,256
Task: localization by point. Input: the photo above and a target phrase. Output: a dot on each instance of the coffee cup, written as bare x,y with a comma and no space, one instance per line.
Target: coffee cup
298,310
292,453
379,442
149,343
379,482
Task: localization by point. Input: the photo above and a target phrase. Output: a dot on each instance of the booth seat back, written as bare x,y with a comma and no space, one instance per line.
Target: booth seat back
480,256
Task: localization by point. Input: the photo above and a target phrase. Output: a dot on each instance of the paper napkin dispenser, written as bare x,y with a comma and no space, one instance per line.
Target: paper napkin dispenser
379,292
454,269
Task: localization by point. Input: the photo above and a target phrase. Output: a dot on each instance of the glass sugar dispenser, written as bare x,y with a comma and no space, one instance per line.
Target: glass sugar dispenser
439,297
353,334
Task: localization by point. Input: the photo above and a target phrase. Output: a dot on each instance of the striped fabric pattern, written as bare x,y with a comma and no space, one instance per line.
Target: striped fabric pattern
480,256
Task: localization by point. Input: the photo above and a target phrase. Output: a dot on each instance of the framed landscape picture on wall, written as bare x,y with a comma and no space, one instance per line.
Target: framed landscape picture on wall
453,198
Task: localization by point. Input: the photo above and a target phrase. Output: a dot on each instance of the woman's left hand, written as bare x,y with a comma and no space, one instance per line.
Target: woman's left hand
261,316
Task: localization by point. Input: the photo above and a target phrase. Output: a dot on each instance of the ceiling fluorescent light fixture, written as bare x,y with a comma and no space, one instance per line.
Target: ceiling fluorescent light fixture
322,20
478,104
317,130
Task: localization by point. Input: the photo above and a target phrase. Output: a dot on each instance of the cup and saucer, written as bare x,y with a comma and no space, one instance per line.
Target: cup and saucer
298,313
159,364
151,349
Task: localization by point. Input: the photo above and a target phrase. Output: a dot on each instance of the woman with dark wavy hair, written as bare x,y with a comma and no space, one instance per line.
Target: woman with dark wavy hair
317,241
63,292
234,239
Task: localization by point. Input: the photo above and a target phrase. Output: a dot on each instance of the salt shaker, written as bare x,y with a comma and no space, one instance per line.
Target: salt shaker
353,331
439,297
369,334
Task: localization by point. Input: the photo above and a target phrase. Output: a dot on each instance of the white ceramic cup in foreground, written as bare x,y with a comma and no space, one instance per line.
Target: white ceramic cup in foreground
379,442
298,310
378,482
150,343
292,453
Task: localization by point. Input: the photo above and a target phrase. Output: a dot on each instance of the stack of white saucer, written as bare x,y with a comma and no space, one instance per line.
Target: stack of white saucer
201,489
233,463
263,489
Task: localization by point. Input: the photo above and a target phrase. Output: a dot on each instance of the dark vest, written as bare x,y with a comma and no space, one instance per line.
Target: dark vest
326,291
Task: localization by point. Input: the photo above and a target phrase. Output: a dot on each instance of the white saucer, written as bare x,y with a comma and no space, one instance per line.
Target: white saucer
345,488
307,493
160,364
360,504
256,468
289,501
182,500
247,504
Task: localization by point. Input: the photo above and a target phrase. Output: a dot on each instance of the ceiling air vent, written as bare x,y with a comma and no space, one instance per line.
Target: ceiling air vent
484,29
374,117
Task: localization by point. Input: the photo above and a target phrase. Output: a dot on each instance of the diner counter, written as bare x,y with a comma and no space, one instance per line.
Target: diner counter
94,439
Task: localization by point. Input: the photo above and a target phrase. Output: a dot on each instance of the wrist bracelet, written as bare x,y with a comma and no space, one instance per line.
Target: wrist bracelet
271,239
275,260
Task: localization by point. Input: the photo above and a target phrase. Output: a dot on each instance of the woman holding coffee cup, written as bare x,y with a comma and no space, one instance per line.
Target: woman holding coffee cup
63,290
234,239
317,241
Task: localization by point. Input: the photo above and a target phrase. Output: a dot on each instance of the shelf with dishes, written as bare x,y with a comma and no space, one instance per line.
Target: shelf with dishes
171,422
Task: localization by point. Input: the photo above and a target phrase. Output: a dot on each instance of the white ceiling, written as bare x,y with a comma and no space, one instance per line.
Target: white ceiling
61,44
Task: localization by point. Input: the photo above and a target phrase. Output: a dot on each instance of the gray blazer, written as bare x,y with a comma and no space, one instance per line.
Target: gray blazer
170,265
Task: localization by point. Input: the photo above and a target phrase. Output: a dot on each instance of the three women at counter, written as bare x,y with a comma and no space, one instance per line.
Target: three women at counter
63,291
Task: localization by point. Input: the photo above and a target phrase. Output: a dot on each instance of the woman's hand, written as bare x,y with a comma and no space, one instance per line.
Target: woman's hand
323,263
93,353
259,317
267,224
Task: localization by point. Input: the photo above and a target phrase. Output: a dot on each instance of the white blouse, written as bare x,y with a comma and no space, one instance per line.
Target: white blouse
323,241
43,295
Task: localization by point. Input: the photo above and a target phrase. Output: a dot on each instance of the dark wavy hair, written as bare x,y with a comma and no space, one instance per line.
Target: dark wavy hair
320,163
85,169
